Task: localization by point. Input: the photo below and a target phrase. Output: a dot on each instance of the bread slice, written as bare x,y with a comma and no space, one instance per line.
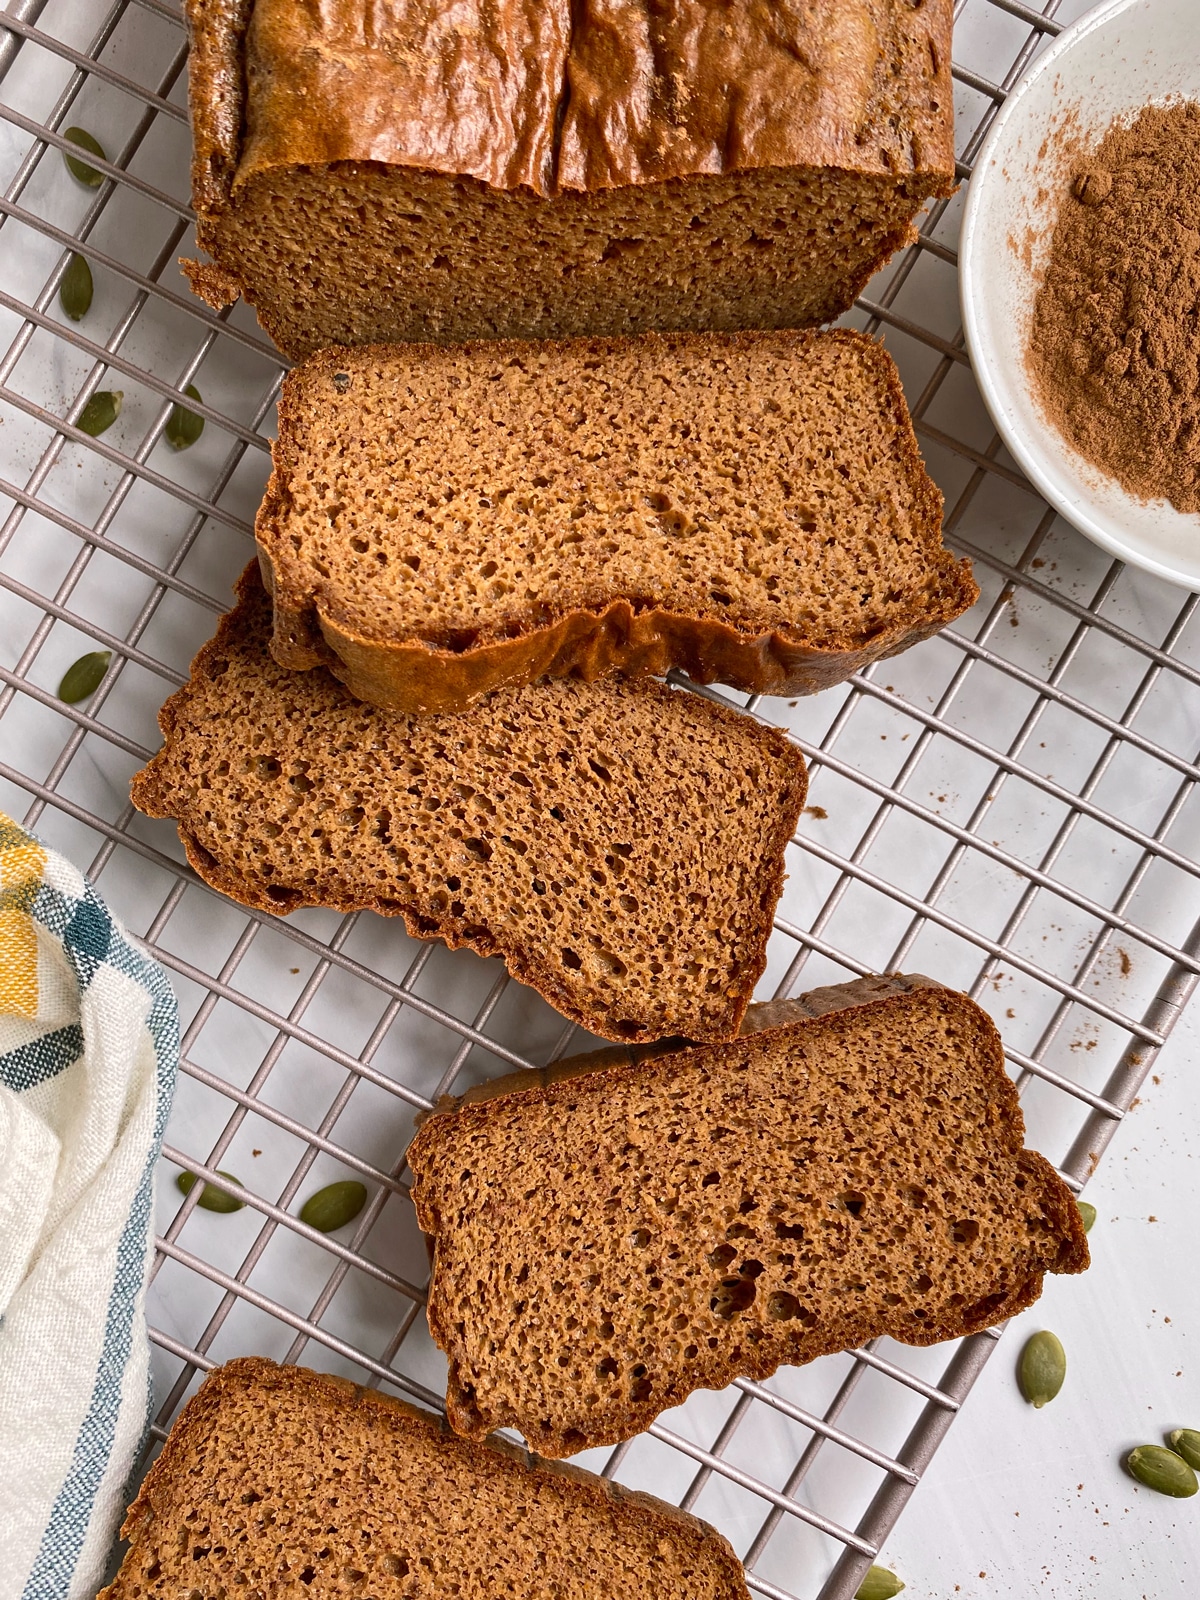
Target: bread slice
279,1481
607,1242
392,172
620,846
752,508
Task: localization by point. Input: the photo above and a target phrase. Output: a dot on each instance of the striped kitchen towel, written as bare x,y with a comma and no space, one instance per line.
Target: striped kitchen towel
89,1046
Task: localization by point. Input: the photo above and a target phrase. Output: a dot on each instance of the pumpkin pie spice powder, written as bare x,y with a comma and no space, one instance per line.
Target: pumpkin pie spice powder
1115,341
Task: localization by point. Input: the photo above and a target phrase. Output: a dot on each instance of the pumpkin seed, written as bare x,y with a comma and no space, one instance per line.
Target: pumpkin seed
1088,1213
101,411
1042,1368
211,1197
82,677
334,1206
184,427
75,290
1162,1470
80,169
1186,1443
879,1584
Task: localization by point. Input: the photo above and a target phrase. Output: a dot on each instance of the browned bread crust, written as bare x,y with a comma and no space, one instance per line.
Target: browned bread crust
502,830
760,1015
851,84
271,1472
336,490
868,1173
591,131
217,97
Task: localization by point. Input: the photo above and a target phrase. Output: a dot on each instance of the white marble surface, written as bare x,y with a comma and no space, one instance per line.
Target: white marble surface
1037,1500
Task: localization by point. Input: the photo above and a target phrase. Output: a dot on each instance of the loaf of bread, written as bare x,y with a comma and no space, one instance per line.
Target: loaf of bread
620,845
537,169
278,1481
750,507
607,1241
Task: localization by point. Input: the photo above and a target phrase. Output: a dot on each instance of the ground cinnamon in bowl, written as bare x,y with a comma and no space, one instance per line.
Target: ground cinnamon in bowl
1115,340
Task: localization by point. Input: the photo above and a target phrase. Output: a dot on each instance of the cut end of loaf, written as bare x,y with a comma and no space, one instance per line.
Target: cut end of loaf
445,260
762,177
543,826
720,1211
275,1478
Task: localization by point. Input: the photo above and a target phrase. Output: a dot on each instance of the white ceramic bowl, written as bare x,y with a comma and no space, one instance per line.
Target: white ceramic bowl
1114,60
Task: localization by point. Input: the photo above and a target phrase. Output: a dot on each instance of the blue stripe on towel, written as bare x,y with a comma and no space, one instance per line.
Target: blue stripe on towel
50,1576
42,1058
67,1528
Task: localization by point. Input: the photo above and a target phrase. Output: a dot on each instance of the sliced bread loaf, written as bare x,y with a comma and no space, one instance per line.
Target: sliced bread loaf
752,508
620,846
279,1481
608,1241
541,168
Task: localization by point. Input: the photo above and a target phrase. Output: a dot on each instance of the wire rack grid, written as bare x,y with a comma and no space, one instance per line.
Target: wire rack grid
1004,807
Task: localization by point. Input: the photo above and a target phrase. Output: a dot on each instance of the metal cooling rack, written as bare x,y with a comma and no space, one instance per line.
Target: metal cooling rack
1004,807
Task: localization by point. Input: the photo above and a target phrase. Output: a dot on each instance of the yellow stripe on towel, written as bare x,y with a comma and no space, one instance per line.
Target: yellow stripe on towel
22,861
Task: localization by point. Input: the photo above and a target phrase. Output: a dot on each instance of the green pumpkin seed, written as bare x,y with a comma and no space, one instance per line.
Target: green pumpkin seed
1041,1369
211,1198
334,1206
1088,1213
1162,1470
101,411
184,427
75,290
80,169
1186,1443
82,677
879,1584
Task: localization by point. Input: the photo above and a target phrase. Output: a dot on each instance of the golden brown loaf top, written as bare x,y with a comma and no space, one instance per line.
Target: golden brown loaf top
555,96
750,507
619,845
607,1241
280,1481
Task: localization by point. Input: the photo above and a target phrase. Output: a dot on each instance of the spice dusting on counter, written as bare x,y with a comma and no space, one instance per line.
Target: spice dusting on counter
1115,341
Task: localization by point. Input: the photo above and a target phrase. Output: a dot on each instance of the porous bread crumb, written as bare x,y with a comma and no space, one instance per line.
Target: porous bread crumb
607,1243
276,1480
751,507
620,845
786,250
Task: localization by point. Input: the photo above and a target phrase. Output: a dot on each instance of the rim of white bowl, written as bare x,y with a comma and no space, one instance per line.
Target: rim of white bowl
1077,513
